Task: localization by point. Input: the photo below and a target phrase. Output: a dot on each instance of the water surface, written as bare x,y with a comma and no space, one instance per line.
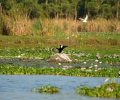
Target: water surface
19,87
45,63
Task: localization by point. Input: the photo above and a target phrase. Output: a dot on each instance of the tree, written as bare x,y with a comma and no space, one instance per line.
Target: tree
106,11
93,8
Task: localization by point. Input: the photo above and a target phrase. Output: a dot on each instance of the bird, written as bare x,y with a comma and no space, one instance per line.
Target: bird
106,80
98,56
85,19
60,49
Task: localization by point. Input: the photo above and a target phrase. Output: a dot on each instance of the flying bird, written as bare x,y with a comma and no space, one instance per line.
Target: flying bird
60,49
85,19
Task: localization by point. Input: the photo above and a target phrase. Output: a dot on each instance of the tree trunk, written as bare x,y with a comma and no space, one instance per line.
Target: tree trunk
117,13
75,12
46,2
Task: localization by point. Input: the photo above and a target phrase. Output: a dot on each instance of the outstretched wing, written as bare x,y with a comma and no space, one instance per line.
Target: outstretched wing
86,18
81,19
64,46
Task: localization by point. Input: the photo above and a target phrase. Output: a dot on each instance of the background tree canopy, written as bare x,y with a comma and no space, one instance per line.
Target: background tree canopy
62,8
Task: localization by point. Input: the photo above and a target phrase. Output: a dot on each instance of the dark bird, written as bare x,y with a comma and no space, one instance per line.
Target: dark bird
60,49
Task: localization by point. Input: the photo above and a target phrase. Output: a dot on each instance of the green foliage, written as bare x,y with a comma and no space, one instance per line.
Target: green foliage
37,27
63,8
90,72
110,90
6,4
93,8
106,8
46,89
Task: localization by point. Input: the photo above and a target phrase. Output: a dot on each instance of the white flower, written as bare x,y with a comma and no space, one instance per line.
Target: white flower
99,68
109,89
52,67
96,60
64,68
100,62
22,54
88,70
59,64
95,65
84,62
119,72
18,56
91,67
83,68
96,70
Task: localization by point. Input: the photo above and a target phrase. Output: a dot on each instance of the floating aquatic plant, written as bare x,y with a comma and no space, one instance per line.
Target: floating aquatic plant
46,89
69,71
109,90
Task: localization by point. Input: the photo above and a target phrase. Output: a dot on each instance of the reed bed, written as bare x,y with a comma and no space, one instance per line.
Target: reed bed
21,25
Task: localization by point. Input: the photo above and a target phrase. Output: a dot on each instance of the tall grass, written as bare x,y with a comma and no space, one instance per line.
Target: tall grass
22,25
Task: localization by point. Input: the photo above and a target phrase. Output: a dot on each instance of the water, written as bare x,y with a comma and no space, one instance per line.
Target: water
19,87
44,63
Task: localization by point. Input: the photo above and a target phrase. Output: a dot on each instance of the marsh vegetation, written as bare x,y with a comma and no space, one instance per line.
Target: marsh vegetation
46,89
109,90
31,30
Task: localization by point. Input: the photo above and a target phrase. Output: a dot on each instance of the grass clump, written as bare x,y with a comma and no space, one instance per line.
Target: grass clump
109,90
47,89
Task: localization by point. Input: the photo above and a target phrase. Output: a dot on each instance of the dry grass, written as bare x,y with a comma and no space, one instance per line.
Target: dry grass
72,26
21,25
18,26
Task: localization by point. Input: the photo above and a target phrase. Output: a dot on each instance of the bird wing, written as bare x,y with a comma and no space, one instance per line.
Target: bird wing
65,46
81,19
86,18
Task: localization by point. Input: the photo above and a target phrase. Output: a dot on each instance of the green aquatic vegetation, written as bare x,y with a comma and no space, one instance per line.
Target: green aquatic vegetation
98,72
46,89
45,53
109,90
26,52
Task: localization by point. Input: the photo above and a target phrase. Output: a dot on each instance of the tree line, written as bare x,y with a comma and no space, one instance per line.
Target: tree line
61,8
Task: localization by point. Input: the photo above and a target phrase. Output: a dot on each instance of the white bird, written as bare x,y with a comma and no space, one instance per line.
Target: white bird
106,80
85,19
98,56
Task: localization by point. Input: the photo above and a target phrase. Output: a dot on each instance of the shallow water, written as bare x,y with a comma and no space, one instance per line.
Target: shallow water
19,87
44,63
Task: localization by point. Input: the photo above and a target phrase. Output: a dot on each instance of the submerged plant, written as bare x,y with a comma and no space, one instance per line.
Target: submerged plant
47,89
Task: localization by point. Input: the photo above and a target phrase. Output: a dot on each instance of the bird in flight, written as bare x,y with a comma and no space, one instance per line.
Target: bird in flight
60,49
85,19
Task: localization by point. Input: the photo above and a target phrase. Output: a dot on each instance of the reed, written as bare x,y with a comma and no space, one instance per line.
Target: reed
21,25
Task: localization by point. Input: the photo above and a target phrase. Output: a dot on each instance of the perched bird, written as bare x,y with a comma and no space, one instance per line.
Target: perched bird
85,19
60,49
98,56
